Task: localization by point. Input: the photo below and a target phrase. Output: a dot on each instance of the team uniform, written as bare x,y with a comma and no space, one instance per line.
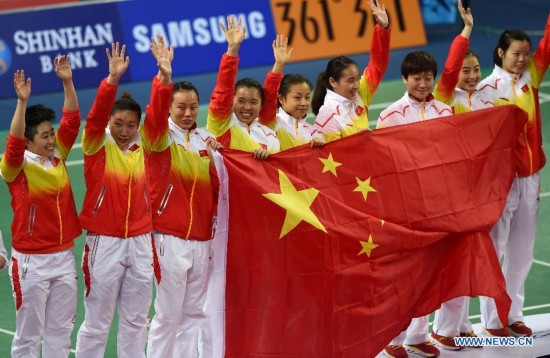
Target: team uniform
340,117
445,90
45,224
118,256
452,318
183,195
514,234
407,110
292,132
223,123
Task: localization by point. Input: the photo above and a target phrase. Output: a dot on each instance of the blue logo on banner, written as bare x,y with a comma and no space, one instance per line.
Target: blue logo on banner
5,57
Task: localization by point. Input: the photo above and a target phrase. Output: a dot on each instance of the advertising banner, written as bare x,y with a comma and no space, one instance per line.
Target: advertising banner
31,39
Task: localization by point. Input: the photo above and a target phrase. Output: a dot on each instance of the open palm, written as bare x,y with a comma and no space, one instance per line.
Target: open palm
22,86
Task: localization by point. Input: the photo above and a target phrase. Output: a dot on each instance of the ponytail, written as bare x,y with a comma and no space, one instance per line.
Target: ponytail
319,93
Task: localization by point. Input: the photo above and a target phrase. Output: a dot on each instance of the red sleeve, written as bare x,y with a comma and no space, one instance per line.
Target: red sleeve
221,101
379,56
12,159
98,117
270,104
156,113
541,57
67,132
449,77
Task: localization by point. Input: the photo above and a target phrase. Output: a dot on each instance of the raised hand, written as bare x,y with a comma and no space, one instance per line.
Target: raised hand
234,34
281,51
380,14
63,69
118,64
465,14
22,87
164,55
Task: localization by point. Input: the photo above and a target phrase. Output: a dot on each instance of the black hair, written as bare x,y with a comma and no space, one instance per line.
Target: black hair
505,40
34,116
472,53
184,86
126,103
335,68
250,83
417,62
289,80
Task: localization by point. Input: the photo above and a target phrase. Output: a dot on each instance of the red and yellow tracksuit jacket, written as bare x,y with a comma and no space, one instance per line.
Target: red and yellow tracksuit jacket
45,218
117,201
183,183
523,90
221,121
340,117
446,91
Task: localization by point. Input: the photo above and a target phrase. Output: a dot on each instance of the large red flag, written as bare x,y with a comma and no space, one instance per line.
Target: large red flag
332,251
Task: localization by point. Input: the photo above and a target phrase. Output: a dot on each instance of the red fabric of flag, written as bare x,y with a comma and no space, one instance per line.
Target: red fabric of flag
332,251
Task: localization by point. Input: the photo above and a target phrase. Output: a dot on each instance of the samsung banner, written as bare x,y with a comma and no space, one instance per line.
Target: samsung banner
30,40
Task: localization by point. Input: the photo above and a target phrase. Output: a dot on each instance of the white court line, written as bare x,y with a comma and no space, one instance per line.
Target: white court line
530,308
71,163
543,263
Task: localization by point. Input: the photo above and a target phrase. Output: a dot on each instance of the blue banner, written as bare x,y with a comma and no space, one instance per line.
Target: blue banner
30,40
195,32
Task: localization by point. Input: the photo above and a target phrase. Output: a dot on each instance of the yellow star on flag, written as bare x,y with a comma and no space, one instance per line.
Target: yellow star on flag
330,164
296,203
368,246
364,187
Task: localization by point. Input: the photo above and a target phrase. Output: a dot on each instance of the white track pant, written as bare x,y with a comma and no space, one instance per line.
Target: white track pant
116,271
416,333
182,282
452,318
514,239
45,293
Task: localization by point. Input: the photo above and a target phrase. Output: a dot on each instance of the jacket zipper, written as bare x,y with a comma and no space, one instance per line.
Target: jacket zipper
99,200
32,217
164,200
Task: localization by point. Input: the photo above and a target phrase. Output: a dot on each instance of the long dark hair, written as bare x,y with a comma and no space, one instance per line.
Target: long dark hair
505,40
334,69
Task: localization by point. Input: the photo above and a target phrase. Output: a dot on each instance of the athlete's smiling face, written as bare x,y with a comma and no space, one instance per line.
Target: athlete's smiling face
247,104
43,140
348,84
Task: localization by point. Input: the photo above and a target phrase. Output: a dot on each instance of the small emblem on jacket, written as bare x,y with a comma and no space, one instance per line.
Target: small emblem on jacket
134,147
525,89
359,110
203,153
55,161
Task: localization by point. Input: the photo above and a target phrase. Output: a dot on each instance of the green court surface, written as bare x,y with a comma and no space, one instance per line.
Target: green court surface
537,287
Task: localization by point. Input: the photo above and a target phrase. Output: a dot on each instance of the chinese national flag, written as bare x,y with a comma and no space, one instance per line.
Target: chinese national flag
332,251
